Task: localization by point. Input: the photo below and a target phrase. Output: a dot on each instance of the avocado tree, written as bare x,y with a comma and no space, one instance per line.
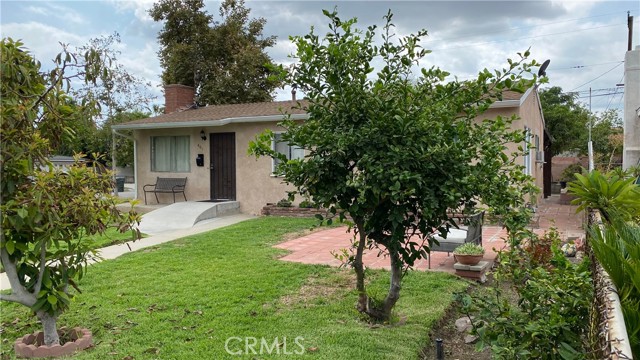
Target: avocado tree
47,213
395,151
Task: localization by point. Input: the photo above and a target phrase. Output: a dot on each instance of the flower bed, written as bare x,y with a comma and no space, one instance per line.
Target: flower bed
292,211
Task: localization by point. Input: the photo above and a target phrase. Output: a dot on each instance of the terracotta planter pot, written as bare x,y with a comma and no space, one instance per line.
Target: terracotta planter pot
468,259
30,346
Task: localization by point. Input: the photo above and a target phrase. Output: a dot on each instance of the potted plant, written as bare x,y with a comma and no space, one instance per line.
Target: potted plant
469,254
569,172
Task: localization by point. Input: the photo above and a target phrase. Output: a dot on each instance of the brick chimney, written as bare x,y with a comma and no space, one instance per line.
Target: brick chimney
177,97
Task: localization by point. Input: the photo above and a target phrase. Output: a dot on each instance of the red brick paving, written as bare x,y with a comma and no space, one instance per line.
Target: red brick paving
317,248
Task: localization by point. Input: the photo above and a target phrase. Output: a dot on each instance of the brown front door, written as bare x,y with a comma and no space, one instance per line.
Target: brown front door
223,166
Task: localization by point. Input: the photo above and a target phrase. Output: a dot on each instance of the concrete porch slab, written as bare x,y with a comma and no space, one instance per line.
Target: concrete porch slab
184,215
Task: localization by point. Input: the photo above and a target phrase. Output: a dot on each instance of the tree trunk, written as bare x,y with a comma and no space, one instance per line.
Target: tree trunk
358,266
395,286
50,329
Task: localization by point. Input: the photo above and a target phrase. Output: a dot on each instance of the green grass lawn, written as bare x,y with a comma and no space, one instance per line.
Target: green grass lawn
184,299
110,237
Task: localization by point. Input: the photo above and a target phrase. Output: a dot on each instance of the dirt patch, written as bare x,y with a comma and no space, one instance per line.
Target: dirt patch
453,341
316,290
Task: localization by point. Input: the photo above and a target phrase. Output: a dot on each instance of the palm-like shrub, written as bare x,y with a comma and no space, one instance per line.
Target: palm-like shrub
614,196
617,244
617,248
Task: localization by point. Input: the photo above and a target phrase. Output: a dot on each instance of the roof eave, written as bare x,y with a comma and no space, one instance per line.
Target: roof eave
207,123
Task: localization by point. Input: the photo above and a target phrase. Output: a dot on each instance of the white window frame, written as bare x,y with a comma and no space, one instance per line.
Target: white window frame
527,156
172,150
290,152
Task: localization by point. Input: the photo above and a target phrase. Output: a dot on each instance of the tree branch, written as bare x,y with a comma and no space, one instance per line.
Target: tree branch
24,300
19,293
43,259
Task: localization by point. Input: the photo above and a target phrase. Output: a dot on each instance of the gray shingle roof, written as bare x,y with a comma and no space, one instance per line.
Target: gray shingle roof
220,112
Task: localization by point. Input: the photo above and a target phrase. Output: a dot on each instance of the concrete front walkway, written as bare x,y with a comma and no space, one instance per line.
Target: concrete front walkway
112,252
318,247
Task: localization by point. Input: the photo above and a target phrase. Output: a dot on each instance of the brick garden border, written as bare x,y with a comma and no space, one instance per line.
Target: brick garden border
26,346
293,211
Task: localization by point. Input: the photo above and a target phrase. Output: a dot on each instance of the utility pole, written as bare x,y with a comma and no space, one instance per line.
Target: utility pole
630,26
590,143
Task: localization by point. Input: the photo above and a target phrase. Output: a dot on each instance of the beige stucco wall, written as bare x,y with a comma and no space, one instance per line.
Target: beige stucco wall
530,117
254,184
255,187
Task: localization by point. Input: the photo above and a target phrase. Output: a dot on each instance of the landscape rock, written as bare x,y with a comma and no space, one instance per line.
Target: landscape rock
463,324
470,339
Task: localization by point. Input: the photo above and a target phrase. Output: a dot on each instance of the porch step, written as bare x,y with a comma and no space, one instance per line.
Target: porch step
184,215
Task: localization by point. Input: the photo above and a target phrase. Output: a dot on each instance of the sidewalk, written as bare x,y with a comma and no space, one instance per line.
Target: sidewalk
112,252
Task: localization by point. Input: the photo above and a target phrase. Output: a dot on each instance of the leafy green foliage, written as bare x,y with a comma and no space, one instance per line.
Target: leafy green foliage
181,300
394,150
565,119
284,203
122,97
469,249
42,207
569,172
103,139
617,245
617,248
612,195
225,61
568,121
549,316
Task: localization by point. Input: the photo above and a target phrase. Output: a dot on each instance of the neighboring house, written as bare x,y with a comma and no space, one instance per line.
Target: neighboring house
631,146
64,162
208,145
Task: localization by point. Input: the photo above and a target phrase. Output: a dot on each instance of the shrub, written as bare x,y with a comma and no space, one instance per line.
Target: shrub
284,203
469,249
540,248
569,172
549,317
306,204
613,195
617,248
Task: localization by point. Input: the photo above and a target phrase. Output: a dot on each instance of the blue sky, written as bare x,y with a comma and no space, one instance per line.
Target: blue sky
585,40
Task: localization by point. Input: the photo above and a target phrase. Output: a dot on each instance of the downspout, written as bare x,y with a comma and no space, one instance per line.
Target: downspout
135,158
113,162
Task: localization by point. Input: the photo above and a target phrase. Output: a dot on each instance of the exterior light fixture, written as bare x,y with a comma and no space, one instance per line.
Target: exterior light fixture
203,136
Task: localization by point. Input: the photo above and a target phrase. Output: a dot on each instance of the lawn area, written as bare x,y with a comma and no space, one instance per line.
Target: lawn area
112,237
184,299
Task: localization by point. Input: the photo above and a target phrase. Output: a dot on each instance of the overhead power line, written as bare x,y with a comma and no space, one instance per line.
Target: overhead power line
610,99
585,66
598,95
598,77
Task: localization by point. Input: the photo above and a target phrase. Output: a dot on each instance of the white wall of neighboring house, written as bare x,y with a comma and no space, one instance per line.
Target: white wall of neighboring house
631,146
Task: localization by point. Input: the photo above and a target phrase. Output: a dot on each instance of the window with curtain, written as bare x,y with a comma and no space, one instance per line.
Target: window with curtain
291,152
170,154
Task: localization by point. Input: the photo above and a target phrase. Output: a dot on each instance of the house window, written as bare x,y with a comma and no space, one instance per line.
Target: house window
170,154
291,152
527,153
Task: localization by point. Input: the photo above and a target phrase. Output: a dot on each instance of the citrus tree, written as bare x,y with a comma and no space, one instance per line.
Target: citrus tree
47,213
393,150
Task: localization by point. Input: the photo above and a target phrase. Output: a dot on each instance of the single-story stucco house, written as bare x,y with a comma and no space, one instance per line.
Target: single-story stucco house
208,145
